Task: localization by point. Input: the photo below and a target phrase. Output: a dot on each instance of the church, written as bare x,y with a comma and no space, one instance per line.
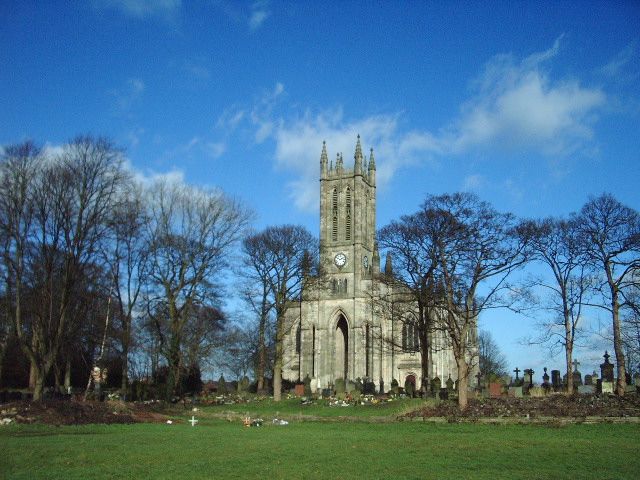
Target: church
349,324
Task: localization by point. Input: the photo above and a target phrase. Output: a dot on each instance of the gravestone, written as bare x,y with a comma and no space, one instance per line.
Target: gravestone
450,385
536,391
299,390
444,394
577,376
369,388
339,385
545,381
556,382
436,385
517,380
606,387
479,383
515,392
495,390
588,380
586,389
606,369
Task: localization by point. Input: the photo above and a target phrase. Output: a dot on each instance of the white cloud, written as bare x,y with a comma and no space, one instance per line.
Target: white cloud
518,105
473,182
148,177
298,146
259,13
141,8
128,94
616,67
215,149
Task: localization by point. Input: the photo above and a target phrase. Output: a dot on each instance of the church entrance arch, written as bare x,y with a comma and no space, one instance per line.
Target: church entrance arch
341,358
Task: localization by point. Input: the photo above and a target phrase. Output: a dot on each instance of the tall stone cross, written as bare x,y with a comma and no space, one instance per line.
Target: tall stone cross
575,365
517,371
193,421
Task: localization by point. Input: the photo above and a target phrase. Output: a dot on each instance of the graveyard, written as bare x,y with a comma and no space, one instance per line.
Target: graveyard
513,426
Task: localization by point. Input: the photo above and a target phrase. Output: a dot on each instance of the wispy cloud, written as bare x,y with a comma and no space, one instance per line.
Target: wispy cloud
128,94
617,65
259,13
473,182
141,8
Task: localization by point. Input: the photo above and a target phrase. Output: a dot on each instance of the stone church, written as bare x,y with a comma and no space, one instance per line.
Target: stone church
348,324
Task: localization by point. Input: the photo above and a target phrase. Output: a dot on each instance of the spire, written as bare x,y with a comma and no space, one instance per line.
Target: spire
372,168
358,157
388,265
339,163
324,160
376,259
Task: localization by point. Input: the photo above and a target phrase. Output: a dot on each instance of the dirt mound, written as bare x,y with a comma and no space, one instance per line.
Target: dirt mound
551,406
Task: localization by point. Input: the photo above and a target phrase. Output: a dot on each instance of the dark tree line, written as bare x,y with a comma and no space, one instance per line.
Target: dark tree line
456,254
79,233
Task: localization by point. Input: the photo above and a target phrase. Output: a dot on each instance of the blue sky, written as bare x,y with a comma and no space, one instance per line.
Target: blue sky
532,105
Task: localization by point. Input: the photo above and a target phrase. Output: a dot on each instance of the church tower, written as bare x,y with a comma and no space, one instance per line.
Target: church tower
348,220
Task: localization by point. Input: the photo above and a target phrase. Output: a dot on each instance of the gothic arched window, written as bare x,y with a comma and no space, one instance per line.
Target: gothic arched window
368,348
410,337
334,213
347,228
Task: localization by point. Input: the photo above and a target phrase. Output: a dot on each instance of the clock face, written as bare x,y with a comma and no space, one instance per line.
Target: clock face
340,259
365,261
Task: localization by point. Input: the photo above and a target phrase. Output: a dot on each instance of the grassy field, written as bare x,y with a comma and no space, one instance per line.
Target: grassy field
219,449
290,408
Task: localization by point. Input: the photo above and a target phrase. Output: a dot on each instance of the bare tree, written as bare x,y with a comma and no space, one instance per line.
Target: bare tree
609,233
259,263
410,242
283,254
56,213
491,360
126,258
191,233
476,249
554,243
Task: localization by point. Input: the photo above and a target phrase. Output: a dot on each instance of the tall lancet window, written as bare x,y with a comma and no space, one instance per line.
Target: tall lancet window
334,214
347,223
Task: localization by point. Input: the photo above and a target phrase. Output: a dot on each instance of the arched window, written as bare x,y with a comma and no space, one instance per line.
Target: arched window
334,212
313,351
410,337
347,223
368,348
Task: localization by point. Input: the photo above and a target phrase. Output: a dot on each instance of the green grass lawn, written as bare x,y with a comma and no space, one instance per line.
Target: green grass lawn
219,449
291,408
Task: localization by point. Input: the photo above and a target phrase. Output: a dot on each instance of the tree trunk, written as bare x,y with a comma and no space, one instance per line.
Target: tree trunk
618,346
463,382
126,335
67,376
262,352
568,359
173,377
39,375
424,363
277,364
